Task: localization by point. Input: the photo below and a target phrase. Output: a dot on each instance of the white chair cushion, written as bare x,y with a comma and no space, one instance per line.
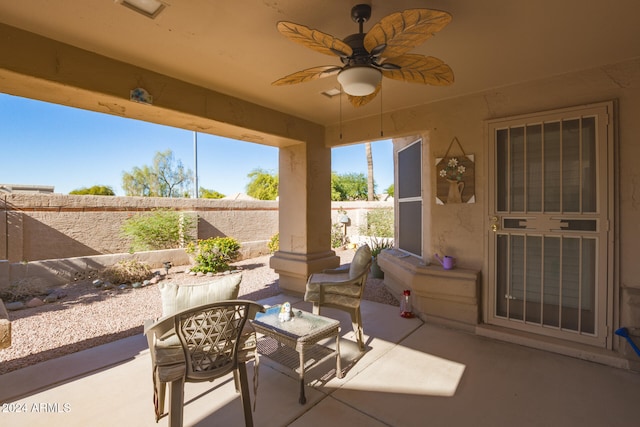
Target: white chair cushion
360,261
180,297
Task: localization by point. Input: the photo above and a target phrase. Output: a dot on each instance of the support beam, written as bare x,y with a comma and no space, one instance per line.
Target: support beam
305,214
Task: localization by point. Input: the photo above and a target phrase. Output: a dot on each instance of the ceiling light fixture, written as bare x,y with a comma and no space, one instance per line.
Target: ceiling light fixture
359,80
148,8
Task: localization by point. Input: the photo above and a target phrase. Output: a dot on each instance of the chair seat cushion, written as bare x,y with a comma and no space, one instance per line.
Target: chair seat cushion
340,300
168,373
332,284
168,350
180,297
169,355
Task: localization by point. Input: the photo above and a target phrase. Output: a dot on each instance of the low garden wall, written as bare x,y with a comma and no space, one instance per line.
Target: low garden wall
5,327
40,226
52,238
40,276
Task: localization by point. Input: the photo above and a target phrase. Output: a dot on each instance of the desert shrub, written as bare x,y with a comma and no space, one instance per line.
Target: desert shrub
127,271
338,238
20,290
160,229
213,255
274,243
379,223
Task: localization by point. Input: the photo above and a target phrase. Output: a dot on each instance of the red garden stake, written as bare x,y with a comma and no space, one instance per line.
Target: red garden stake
405,305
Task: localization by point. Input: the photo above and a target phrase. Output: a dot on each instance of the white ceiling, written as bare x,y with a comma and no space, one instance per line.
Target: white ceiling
233,47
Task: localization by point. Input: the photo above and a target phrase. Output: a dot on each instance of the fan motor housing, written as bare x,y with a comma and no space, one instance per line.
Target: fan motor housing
360,55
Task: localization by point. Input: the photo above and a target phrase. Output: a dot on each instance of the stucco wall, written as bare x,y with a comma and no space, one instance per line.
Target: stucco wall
65,238
38,227
461,230
357,213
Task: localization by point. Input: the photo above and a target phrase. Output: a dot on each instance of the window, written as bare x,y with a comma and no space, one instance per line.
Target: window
410,198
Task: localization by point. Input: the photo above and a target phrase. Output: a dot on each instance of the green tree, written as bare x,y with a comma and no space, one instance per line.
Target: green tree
349,186
96,190
262,185
140,182
165,178
210,194
390,190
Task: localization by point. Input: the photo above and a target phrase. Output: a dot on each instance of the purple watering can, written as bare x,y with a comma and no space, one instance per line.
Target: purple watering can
447,262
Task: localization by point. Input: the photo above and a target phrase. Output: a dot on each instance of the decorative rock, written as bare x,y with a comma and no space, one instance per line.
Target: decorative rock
123,286
34,302
209,274
13,306
57,293
137,285
50,298
97,283
154,280
199,274
107,285
192,273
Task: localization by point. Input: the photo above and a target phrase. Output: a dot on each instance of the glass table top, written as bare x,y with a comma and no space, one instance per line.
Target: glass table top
301,324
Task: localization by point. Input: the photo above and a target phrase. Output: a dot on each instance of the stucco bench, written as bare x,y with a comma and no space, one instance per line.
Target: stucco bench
5,327
450,297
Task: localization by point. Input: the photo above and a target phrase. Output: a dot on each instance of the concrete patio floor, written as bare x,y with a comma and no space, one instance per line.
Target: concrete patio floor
412,374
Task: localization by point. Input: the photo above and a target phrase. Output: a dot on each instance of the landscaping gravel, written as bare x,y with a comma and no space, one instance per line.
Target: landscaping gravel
87,316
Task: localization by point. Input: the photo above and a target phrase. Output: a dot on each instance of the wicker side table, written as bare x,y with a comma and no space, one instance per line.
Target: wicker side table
301,334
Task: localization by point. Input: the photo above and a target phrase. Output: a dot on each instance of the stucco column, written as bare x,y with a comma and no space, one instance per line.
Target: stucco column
304,215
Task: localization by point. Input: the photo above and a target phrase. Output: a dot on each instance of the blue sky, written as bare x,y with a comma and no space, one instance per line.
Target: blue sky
70,148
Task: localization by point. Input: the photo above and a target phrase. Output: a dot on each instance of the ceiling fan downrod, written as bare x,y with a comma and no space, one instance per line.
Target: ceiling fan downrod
360,14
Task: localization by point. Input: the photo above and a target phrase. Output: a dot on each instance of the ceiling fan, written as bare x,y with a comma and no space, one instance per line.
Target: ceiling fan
366,57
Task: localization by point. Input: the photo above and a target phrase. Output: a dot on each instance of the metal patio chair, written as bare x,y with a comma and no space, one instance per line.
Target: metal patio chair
200,344
342,288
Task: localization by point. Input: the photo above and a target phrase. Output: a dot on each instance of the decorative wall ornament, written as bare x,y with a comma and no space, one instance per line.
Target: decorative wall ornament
455,177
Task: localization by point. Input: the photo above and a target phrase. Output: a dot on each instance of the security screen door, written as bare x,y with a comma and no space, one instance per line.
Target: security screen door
550,268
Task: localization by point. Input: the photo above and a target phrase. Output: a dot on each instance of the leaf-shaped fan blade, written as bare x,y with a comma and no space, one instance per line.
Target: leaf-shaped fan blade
402,31
314,39
359,101
307,75
420,69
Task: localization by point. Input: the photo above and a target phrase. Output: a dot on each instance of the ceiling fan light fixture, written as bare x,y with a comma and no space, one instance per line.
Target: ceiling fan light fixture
359,80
